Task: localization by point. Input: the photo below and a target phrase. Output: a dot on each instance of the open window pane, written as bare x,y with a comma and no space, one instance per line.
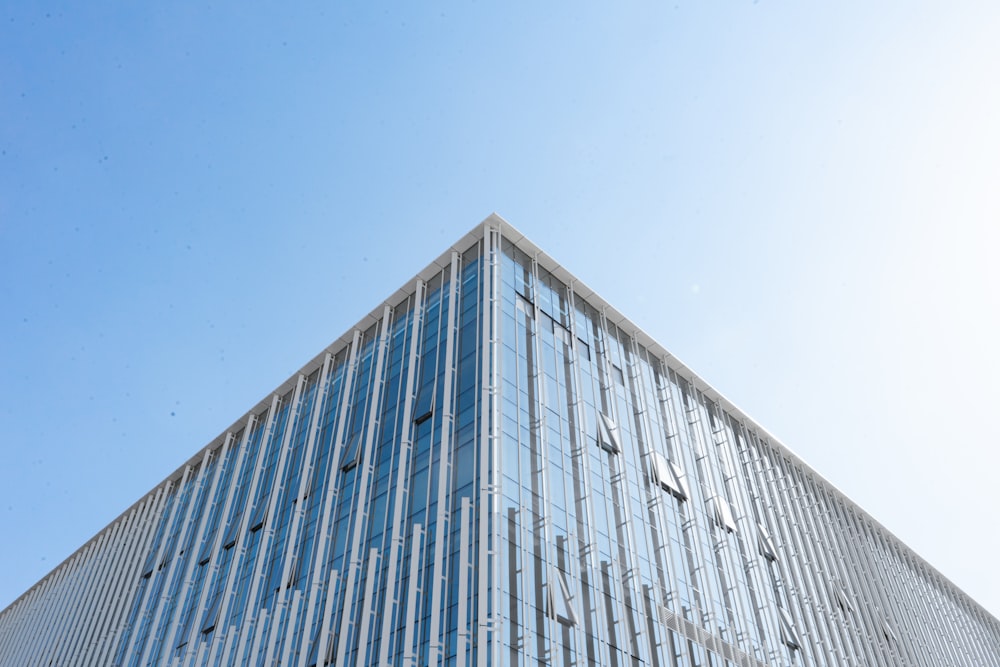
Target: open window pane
840,595
722,514
182,636
258,516
211,614
765,544
205,553
147,568
679,479
887,632
560,606
424,406
607,434
232,532
669,477
788,634
352,453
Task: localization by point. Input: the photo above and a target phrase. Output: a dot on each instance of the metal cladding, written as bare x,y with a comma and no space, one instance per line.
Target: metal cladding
495,467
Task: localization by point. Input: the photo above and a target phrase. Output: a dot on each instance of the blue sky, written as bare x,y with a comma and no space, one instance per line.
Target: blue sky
800,201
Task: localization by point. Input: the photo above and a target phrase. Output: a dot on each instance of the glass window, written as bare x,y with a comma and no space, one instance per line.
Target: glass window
560,605
259,515
352,453
788,635
887,632
147,569
722,514
424,407
607,434
669,477
211,615
840,595
232,532
765,544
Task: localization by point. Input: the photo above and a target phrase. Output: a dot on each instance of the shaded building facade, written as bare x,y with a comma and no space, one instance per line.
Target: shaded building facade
495,467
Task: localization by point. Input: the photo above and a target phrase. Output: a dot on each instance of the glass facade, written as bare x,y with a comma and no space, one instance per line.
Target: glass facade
495,468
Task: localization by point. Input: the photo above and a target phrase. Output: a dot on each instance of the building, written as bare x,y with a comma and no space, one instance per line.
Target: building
495,467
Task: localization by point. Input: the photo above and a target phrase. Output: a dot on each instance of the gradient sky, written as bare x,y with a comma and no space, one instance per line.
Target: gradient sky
799,200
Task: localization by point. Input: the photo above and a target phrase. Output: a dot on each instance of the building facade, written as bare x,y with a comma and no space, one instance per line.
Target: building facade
495,467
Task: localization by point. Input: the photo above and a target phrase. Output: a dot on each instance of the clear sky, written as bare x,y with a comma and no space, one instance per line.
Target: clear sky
799,200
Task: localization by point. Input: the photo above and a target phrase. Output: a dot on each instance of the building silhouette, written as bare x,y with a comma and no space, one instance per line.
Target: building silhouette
495,467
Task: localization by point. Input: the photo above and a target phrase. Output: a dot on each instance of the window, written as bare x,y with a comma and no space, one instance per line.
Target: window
424,406
205,554
182,636
560,607
258,516
722,514
890,636
352,453
232,532
765,544
293,571
843,602
607,434
669,477
211,614
147,569
788,635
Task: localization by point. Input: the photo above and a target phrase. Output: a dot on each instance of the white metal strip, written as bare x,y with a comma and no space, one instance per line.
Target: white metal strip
397,538
326,627
463,571
352,559
293,617
410,654
367,609
441,528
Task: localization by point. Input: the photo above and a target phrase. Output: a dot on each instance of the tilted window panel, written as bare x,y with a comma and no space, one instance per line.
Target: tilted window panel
765,545
788,634
560,606
843,602
607,434
352,452
722,514
669,477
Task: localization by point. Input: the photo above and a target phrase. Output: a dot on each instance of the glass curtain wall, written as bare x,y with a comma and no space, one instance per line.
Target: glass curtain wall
339,524
495,469
643,523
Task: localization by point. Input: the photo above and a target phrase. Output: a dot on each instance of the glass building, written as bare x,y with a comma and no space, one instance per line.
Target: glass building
495,467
